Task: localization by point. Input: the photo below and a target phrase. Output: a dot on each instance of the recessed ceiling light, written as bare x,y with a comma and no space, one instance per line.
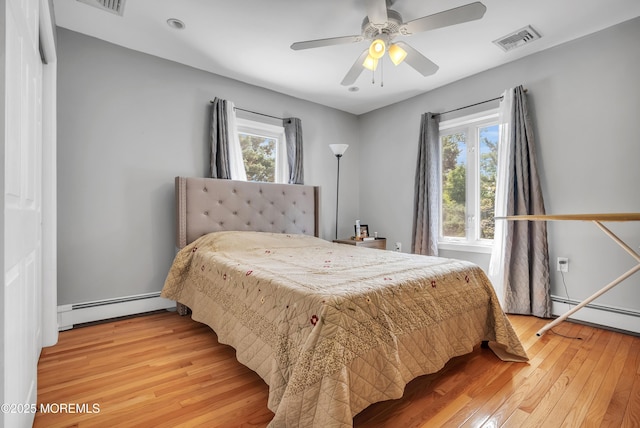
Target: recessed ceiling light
176,24
353,89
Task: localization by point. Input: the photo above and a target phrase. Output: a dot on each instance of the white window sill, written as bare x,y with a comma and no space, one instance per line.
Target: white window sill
465,247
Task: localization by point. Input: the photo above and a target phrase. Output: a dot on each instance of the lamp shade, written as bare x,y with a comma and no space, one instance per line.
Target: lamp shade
397,54
370,63
338,149
377,48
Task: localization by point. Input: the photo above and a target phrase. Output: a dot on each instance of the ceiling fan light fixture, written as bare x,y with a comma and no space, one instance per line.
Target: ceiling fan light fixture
397,54
370,63
377,49
382,25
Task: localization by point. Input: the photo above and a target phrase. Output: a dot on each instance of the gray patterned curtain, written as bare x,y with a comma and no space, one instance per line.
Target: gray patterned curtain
219,138
526,256
293,134
427,189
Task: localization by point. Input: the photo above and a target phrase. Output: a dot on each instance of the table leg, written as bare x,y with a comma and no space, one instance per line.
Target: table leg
589,300
603,290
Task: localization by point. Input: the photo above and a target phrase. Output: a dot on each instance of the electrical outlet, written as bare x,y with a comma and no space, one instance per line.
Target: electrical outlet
563,264
398,247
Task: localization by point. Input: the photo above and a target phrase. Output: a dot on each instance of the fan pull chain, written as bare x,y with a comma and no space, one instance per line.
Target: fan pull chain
381,73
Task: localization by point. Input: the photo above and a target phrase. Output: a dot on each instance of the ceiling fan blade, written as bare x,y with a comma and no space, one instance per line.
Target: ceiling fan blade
355,70
458,15
419,62
377,12
325,42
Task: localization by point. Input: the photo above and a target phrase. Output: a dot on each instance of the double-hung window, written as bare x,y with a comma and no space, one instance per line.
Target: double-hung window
468,156
264,151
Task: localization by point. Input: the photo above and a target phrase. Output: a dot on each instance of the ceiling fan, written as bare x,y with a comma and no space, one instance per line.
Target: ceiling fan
383,24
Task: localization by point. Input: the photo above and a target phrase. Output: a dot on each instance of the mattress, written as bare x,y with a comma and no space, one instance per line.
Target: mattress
333,328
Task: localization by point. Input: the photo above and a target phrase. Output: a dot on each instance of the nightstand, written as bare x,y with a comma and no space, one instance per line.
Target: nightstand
379,243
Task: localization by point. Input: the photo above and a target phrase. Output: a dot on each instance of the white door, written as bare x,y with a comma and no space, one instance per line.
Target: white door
22,208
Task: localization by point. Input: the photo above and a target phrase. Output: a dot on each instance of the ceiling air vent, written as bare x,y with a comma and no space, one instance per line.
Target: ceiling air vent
516,39
113,6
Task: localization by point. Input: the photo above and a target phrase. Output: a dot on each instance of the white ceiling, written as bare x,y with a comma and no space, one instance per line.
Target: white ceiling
249,40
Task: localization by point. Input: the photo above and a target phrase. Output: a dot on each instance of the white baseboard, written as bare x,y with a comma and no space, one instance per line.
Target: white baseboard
69,315
78,313
602,315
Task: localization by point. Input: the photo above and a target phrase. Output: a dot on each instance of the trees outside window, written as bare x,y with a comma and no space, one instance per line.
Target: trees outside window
259,155
264,151
454,184
469,151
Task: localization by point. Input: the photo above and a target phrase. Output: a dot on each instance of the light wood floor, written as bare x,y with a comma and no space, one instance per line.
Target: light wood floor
163,370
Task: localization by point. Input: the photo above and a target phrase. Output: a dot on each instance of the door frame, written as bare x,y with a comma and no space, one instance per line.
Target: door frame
49,176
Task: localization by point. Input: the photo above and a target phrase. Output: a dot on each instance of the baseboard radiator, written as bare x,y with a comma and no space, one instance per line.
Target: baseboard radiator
98,310
69,315
623,319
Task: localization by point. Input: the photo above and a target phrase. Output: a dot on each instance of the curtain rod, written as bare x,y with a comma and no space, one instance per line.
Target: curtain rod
471,105
255,112
261,114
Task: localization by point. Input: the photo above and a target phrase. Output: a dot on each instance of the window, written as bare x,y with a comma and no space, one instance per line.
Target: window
264,151
469,153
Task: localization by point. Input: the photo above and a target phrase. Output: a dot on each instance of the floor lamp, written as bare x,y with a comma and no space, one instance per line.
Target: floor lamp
338,150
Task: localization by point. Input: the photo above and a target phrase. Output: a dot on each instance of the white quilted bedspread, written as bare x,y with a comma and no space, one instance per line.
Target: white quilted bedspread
332,328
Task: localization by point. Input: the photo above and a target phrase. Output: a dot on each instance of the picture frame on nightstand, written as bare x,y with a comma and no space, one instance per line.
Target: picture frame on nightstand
364,231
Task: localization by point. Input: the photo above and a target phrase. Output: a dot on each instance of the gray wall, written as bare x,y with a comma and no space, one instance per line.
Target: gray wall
127,124
585,99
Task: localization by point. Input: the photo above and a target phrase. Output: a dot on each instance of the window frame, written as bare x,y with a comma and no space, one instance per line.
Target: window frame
470,125
261,129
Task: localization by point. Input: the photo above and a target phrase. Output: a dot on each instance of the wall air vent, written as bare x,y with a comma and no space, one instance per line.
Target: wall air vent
114,6
516,39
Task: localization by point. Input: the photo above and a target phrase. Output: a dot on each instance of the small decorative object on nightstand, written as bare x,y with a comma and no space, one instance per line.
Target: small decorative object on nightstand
379,243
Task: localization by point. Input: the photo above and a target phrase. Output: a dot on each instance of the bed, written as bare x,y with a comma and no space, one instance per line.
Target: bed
330,328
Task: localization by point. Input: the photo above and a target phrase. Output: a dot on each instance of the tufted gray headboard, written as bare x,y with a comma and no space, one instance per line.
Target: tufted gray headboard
205,205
